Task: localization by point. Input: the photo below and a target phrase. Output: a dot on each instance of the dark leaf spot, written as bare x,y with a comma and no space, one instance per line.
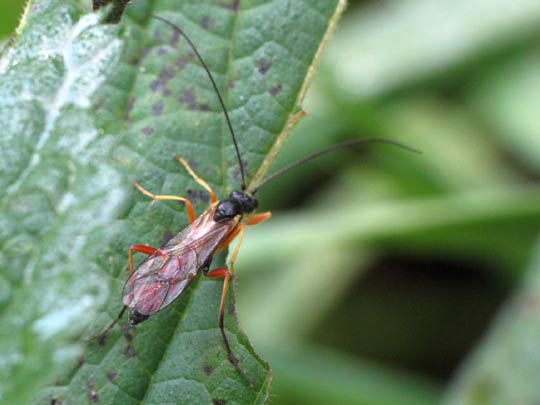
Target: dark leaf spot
196,196
148,130
188,97
160,84
80,360
233,5
92,394
231,84
231,310
193,164
174,38
207,369
56,401
157,36
111,375
181,62
126,331
166,73
263,66
155,85
102,339
206,22
274,91
146,50
130,352
157,108
218,402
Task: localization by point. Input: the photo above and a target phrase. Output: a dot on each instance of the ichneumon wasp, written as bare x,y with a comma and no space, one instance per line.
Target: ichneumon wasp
169,269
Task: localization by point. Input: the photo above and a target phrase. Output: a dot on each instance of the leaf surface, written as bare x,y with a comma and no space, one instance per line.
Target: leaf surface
87,107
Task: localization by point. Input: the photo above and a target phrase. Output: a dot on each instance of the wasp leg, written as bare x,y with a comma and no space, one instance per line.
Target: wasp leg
203,183
236,249
101,335
133,248
258,218
227,241
224,273
148,250
253,220
189,206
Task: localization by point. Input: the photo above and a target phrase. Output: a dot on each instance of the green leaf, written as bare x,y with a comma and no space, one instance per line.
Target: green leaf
87,107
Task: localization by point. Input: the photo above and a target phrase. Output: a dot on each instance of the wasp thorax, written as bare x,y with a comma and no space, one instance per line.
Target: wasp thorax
238,203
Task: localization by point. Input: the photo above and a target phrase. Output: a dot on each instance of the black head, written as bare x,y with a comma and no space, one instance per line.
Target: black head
136,317
238,203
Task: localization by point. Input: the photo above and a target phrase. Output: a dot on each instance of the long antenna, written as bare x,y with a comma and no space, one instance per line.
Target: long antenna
192,45
330,149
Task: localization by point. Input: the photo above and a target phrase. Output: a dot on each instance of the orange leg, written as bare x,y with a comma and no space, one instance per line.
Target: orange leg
236,249
203,183
221,272
189,206
148,250
252,220
224,273
258,218
227,241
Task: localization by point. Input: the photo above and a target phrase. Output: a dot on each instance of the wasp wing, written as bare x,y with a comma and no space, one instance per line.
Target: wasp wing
164,275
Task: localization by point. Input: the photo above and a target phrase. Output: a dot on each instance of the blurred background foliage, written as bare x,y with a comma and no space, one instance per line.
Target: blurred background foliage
390,277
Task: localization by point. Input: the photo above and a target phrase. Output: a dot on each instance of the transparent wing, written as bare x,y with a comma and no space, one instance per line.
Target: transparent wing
164,275
160,280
